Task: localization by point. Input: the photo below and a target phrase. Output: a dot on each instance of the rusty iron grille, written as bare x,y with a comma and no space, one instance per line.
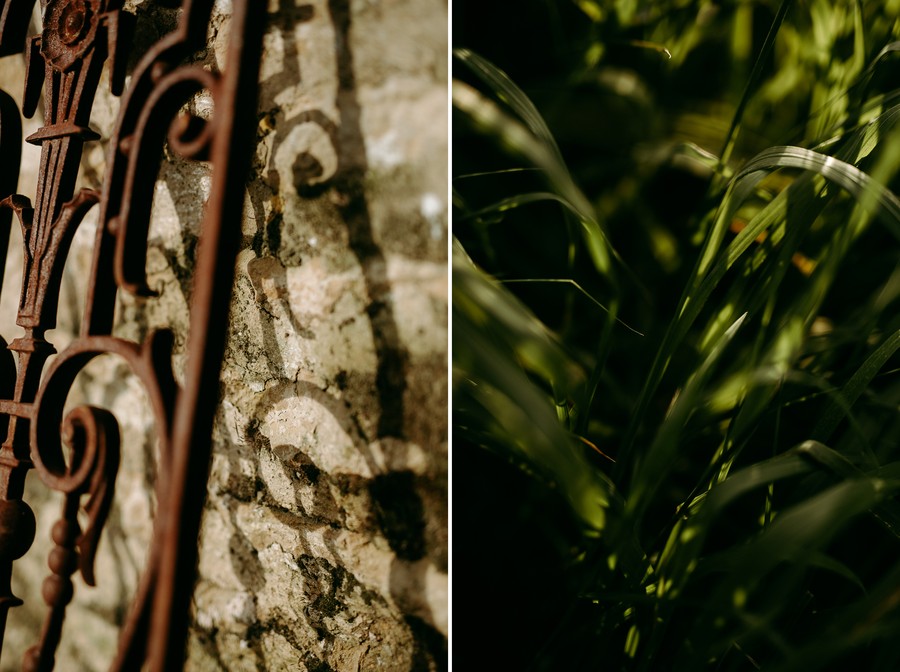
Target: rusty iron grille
78,455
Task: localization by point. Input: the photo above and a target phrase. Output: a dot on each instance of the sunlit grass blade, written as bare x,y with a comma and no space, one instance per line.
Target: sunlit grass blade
507,91
852,179
594,239
887,512
795,537
492,121
680,556
858,87
803,198
486,305
808,525
501,351
753,81
650,468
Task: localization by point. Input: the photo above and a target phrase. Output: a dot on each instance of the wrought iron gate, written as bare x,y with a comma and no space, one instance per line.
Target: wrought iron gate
64,65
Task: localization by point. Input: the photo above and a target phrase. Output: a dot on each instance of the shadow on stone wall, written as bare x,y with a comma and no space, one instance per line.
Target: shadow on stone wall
348,191
396,497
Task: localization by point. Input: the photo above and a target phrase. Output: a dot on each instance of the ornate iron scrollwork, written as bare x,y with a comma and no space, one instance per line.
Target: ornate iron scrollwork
64,64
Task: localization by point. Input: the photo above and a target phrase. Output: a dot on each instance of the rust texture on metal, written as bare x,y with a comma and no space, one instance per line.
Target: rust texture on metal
77,453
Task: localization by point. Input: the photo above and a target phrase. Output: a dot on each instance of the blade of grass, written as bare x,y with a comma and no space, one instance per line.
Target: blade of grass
835,412
570,281
496,341
507,91
519,139
652,467
704,281
752,81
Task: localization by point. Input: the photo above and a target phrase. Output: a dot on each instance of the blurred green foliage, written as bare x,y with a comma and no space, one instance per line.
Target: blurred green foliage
676,282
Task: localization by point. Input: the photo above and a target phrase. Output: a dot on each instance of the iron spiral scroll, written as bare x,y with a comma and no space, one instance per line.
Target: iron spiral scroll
63,68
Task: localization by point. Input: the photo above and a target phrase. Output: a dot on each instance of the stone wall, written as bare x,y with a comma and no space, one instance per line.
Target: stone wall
324,541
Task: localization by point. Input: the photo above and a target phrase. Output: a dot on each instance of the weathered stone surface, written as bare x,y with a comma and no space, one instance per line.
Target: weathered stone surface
324,541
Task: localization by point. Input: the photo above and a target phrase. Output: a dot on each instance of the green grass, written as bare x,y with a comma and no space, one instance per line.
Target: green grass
676,317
